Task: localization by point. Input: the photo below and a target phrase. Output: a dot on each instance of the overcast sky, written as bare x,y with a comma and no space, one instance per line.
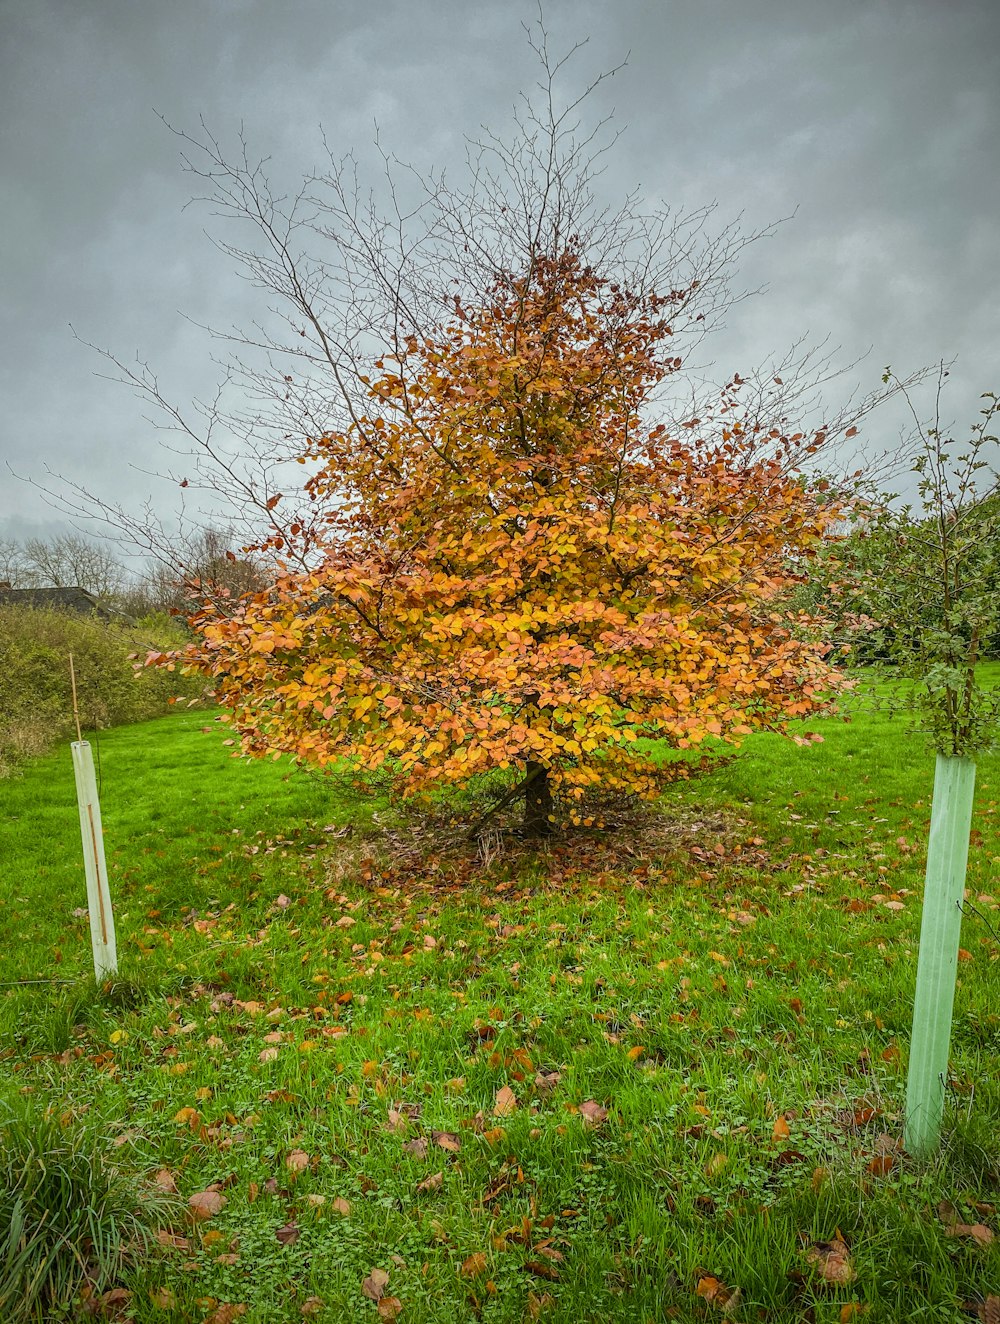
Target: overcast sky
878,124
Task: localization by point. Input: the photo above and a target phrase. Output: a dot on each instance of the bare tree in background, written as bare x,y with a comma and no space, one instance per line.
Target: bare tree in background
13,571
72,561
352,274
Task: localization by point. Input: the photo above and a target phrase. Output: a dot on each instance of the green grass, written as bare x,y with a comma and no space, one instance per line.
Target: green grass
282,994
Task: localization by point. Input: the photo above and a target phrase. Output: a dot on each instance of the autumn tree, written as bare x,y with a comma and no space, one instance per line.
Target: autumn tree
530,542
518,573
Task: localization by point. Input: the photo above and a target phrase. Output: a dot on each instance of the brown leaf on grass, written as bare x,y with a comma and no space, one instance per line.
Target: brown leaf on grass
312,1305
375,1284
171,1240
546,1081
205,1204
832,1261
881,1165
989,1310
431,1183
541,1270
447,1140
947,1212
164,1181
418,1147
780,1130
474,1266
398,1122
267,1055
289,1234
717,1293
389,1307
114,1301
297,1161
505,1102
163,1298
226,1313
340,1206
977,1232
593,1114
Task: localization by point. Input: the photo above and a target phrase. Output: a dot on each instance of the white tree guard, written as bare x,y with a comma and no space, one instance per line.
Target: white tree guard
102,920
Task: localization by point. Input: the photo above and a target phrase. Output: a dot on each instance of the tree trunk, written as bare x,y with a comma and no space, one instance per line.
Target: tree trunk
537,802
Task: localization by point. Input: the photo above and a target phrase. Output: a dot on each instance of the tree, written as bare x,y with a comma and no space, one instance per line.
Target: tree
530,539
518,574
72,561
13,571
208,564
938,609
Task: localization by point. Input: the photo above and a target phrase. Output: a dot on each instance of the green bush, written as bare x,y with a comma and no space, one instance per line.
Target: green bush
71,1215
36,706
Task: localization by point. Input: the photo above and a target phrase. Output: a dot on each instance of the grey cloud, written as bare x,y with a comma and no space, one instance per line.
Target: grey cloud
878,122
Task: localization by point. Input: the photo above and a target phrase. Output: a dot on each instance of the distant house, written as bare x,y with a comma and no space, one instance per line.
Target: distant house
75,600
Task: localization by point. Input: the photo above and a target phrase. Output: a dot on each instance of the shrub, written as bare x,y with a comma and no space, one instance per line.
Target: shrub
70,1214
36,707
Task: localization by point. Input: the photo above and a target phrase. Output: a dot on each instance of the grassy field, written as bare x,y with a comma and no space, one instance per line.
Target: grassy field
655,1078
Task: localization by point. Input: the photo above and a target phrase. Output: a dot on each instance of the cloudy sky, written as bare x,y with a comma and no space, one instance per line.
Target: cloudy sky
876,124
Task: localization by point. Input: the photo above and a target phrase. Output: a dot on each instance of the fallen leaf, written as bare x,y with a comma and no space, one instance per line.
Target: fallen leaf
977,1232
297,1161
283,901
164,1181
163,1298
541,1270
205,1204
267,1055
505,1102
593,1114
341,1206
171,1239
289,1234
881,1165
717,1293
474,1266
832,1261
418,1147
546,1081
225,1314
312,1305
989,1310
389,1307
780,1130
431,1183
375,1284
447,1140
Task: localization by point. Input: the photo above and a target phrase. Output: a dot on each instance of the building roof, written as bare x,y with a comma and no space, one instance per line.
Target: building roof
76,600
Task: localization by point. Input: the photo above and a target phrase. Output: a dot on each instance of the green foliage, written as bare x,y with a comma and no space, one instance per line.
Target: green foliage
70,1215
701,998
36,706
924,582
